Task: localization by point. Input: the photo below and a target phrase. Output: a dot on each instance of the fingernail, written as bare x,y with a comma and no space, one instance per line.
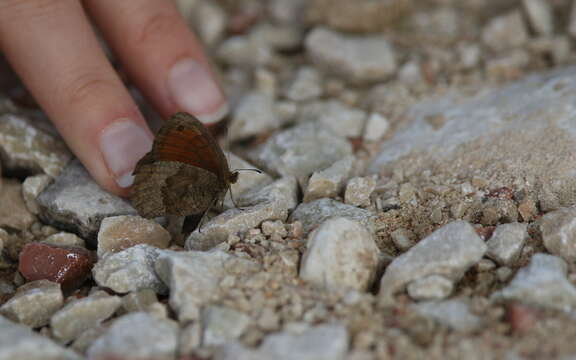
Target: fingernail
195,91
122,144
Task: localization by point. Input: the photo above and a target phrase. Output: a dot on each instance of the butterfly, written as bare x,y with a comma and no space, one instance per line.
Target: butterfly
185,173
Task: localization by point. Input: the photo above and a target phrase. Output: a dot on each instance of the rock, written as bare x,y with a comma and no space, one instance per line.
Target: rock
376,127
137,336
247,180
342,120
543,282
287,12
572,21
34,303
121,232
129,270
322,342
194,276
432,287
357,59
221,324
402,238
287,153
358,16
82,314
479,135
209,20
68,266
64,239
448,252
236,351
508,66
540,16
76,203
505,32
454,314
25,146
84,340
272,202
31,188
274,228
328,183
4,238
358,191
559,232
139,300
277,37
20,342
14,214
266,84
254,115
305,86
244,51
316,212
507,242
340,253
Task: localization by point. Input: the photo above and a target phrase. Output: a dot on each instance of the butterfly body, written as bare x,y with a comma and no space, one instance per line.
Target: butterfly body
184,174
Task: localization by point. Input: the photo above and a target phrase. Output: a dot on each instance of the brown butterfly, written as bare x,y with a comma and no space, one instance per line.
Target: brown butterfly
185,173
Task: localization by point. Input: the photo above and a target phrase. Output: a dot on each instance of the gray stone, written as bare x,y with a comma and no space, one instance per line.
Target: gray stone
209,20
20,342
13,213
505,32
272,202
76,203
129,270
139,300
480,134
194,276
358,191
357,58
64,239
507,242
322,342
305,86
340,253
543,282
222,324
254,114
4,238
247,180
242,50
190,338
572,21
559,232
454,314
376,127
341,119
402,238
120,232
31,188
287,153
277,37
236,351
84,340
448,252
316,212
433,287
82,314
328,183
26,146
540,16
137,336
287,12
34,303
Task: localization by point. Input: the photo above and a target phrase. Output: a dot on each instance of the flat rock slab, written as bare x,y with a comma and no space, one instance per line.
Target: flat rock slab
523,134
76,203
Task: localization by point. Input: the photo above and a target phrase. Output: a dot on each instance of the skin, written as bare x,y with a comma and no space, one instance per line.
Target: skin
53,47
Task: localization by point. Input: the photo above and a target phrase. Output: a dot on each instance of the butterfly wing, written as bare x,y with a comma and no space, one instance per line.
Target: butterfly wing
173,188
183,138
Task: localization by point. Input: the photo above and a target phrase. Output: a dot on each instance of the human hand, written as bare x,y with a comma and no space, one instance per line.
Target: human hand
53,48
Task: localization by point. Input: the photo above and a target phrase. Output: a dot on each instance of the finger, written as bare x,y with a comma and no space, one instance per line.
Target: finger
54,50
161,55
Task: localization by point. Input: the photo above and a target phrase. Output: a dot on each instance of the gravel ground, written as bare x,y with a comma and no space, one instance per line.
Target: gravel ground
417,202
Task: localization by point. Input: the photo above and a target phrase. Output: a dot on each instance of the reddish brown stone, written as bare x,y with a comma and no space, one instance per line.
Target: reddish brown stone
68,266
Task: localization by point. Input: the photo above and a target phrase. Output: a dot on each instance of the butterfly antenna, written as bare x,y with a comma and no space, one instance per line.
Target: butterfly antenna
234,201
255,170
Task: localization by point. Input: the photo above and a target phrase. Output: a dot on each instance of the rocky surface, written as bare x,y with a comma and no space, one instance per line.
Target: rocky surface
417,200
